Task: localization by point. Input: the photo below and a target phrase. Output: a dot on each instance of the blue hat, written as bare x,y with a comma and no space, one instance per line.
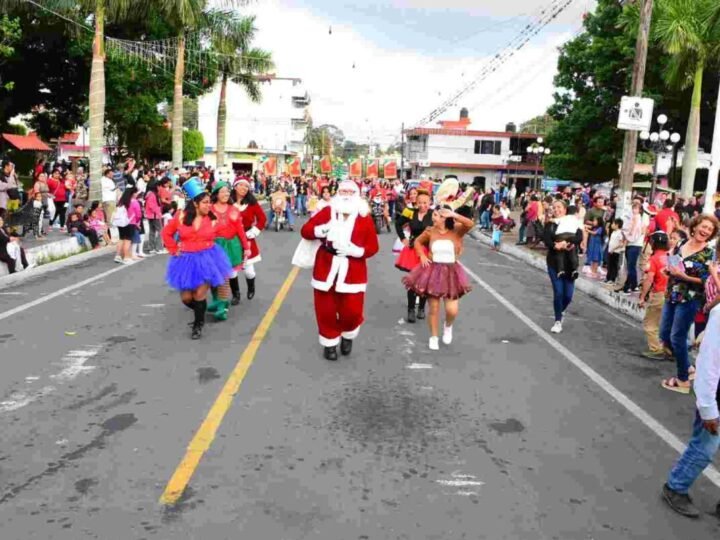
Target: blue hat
193,188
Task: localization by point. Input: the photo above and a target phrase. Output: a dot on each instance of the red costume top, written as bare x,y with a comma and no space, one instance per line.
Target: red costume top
254,221
191,240
348,274
229,225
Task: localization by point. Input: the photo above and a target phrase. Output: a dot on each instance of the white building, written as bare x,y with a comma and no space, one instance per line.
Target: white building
275,126
485,157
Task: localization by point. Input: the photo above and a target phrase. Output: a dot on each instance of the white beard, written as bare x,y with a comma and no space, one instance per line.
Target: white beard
346,205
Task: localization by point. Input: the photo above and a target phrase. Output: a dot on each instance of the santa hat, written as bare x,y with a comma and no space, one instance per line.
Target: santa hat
241,180
350,185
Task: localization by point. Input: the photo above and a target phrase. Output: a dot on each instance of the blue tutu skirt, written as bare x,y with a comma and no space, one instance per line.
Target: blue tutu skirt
188,271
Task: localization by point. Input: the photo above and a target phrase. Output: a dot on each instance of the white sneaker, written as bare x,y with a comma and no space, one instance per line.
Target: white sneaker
447,335
141,255
434,344
126,261
557,327
118,259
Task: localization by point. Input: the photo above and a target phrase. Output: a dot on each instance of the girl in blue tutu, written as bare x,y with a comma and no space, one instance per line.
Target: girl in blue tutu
196,262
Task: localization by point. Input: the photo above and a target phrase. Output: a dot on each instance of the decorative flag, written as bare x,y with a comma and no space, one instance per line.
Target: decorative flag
372,169
356,168
325,165
294,168
390,170
270,166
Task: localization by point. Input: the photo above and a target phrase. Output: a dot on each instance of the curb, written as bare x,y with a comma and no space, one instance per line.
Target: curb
26,275
620,303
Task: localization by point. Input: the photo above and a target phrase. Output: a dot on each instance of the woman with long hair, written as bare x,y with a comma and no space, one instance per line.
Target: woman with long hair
153,214
230,236
439,276
324,201
254,222
128,209
409,225
197,263
634,238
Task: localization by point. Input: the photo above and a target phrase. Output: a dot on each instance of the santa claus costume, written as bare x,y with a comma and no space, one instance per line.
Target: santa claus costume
254,222
347,239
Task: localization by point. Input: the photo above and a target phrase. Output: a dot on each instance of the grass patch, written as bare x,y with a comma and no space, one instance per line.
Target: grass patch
46,259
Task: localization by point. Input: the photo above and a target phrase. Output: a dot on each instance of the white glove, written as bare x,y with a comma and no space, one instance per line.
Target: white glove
252,232
321,231
350,250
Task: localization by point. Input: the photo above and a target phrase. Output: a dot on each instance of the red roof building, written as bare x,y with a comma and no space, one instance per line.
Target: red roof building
29,142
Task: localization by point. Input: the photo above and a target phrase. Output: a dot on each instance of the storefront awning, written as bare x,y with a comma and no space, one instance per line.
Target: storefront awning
26,142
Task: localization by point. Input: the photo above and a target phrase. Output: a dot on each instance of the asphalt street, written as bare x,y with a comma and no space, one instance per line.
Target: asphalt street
499,436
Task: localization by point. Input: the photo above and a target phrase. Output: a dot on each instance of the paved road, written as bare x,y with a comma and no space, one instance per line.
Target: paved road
498,436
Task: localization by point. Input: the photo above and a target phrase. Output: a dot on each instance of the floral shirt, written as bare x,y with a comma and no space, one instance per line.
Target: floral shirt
696,265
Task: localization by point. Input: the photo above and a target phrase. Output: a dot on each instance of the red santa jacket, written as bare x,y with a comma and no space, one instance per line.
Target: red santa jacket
348,274
253,217
229,225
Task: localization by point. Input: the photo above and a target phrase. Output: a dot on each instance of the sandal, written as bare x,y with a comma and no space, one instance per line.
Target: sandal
674,385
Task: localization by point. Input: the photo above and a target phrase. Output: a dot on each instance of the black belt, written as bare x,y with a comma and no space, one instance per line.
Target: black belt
329,248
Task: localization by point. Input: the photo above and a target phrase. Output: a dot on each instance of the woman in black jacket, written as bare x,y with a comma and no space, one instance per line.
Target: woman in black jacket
5,239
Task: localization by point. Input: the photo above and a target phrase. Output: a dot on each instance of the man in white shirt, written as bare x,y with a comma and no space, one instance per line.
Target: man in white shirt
705,439
109,194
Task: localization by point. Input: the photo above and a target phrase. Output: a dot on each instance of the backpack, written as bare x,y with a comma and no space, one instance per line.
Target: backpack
120,218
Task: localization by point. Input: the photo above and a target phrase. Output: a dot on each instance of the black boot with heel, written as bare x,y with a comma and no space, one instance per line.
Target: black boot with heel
251,288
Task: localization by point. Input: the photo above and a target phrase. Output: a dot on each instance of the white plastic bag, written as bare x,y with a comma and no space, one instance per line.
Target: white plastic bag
304,256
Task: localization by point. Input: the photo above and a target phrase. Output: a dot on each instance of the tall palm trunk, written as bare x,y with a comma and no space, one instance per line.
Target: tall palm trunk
692,138
177,120
97,103
221,119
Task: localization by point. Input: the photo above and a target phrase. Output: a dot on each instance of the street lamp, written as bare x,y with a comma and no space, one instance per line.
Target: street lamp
657,142
540,152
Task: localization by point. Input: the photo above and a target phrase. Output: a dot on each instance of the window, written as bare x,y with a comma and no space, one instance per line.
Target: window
488,147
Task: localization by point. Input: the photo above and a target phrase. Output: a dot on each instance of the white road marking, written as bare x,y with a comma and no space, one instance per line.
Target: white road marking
460,483
496,265
61,292
74,364
426,388
466,493
505,341
18,400
13,294
419,366
711,473
154,305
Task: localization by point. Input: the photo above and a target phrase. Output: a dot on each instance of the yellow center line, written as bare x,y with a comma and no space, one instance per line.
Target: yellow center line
205,435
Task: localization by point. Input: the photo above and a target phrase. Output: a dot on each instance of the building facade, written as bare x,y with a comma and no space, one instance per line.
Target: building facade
276,126
486,158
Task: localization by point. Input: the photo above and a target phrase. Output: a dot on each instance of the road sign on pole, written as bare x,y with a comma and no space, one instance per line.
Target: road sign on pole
635,113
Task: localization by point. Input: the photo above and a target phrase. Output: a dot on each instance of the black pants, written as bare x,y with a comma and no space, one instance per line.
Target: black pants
10,262
613,266
60,210
92,235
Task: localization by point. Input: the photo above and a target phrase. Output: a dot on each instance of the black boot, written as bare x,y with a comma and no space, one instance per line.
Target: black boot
682,504
251,288
235,288
330,353
200,308
411,307
345,346
421,308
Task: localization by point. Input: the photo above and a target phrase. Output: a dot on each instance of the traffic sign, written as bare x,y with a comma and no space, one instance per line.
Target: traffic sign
635,113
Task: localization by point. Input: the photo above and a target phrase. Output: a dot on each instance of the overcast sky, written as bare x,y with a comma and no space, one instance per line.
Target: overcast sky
409,55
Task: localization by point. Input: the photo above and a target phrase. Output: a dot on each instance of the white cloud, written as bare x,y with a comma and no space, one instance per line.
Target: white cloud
388,87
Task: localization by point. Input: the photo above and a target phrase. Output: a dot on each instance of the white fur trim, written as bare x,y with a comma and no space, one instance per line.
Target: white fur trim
327,342
352,334
249,271
350,288
364,209
254,260
339,269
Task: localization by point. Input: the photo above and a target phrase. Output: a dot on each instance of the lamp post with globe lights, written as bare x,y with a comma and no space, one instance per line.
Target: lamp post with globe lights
658,142
539,151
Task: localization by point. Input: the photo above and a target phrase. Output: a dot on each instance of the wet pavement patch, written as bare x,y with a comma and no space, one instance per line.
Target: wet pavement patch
84,485
116,340
97,397
5,337
207,374
510,425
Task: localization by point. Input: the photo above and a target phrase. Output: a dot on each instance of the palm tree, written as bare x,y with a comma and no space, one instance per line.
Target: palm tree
686,32
237,61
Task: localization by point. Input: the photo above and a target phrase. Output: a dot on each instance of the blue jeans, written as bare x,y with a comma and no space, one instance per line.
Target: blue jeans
633,254
521,231
288,215
301,204
697,456
677,318
485,220
563,290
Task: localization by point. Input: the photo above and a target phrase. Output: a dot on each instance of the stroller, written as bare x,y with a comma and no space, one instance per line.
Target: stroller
26,219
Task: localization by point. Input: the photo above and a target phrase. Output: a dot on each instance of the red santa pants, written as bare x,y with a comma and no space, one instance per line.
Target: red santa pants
338,314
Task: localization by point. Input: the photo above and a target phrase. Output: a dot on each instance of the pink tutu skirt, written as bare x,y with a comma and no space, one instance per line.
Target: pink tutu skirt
438,281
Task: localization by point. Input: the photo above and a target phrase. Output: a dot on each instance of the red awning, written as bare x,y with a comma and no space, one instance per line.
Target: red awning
26,142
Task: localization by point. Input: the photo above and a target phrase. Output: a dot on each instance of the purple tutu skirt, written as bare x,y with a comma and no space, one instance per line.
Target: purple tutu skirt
438,280
188,271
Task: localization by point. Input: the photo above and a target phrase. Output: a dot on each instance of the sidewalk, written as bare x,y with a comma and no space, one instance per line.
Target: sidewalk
627,304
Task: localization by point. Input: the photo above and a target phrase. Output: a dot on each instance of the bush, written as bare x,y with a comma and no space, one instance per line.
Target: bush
193,145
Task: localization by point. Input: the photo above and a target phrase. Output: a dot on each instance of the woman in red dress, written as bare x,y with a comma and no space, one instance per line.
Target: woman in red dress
254,221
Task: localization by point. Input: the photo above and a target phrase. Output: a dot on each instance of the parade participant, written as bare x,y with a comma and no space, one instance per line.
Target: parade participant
230,236
197,262
439,276
348,238
254,221
280,202
409,225
324,202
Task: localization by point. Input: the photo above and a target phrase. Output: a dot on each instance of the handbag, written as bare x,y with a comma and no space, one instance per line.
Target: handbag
120,217
13,194
305,252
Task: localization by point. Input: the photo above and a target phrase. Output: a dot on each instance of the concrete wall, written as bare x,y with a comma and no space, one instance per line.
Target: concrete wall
41,254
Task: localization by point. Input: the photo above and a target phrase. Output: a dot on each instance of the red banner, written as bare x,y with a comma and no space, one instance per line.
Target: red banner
355,170
372,169
294,168
390,170
325,165
270,167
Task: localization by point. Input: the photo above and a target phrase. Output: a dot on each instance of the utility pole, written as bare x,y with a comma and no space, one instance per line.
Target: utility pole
402,152
712,183
627,171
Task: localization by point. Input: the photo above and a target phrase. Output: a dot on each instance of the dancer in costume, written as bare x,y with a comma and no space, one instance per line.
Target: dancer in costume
231,237
197,262
254,221
439,276
348,238
410,224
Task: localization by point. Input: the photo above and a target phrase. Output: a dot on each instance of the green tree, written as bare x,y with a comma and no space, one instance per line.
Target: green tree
9,36
193,145
541,125
687,32
237,61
